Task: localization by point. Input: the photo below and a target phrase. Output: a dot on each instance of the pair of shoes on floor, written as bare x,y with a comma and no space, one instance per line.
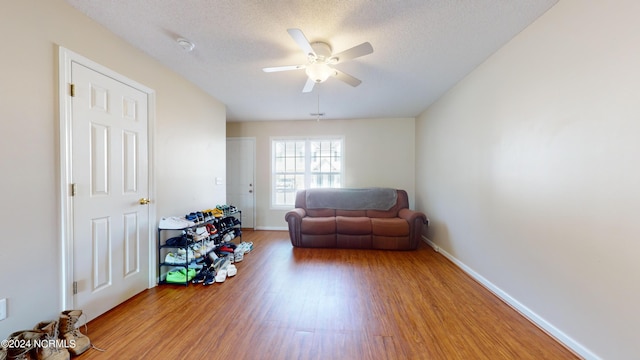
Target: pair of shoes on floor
181,276
52,339
245,247
226,270
205,276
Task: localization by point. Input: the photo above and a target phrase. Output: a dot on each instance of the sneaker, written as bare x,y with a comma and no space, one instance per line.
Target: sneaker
175,259
232,270
187,255
174,223
226,249
192,217
221,276
217,213
246,247
178,241
181,275
220,263
201,275
210,277
238,255
200,234
212,229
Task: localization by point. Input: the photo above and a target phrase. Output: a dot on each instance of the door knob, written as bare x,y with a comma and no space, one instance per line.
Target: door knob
144,201
250,191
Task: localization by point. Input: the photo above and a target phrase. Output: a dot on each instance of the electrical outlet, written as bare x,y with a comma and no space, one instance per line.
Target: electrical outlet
3,309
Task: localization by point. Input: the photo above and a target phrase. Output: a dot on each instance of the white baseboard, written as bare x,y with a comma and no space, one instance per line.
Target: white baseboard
272,228
547,327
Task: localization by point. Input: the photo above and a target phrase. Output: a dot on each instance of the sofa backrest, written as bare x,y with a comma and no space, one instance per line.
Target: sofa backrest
401,203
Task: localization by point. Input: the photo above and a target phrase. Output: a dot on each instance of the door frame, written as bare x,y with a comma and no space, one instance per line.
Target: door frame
253,142
65,58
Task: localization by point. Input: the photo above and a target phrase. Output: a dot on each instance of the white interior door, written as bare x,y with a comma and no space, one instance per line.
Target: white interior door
241,178
110,176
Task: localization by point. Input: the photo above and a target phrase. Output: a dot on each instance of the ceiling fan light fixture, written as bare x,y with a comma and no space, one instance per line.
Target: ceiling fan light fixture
319,72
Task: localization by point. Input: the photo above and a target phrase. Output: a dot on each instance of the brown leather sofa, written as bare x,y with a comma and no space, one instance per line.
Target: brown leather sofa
354,223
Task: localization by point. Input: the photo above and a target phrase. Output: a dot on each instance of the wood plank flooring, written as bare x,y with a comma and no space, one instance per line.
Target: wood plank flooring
293,303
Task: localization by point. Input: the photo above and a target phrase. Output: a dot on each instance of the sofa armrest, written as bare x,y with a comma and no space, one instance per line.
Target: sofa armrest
413,216
294,221
295,214
416,221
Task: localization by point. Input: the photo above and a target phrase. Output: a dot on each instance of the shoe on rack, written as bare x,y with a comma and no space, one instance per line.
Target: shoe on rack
181,276
176,277
187,255
200,233
218,213
192,217
211,229
174,223
175,259
178,241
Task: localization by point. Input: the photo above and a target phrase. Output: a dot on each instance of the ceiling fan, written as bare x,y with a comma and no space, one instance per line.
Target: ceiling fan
320,60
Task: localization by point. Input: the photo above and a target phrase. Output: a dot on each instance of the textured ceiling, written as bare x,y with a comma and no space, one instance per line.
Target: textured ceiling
421,48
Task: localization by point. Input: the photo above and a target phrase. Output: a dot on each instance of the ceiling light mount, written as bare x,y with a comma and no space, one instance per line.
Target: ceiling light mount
185,44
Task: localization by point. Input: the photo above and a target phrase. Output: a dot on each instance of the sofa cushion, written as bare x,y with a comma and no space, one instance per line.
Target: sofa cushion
318,225
352,213
389,226
321,212
353,225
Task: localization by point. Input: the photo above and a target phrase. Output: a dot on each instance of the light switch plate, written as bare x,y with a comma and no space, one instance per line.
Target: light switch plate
3,309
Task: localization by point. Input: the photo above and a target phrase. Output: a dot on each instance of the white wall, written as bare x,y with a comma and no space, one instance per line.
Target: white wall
378,153
529,172
190,130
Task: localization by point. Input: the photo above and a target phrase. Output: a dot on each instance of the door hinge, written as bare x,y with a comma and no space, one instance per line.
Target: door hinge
72,90
75,287
73,189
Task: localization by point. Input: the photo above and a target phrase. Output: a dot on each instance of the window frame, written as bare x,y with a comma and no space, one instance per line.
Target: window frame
307,175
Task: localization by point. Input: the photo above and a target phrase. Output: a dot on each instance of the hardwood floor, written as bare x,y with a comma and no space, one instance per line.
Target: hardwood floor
293,303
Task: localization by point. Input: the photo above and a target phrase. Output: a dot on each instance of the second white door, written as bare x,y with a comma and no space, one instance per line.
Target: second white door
241,178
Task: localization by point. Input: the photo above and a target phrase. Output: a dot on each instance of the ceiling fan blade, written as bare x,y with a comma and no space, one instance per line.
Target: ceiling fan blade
283,68
308,86
356,51
347,78
302,41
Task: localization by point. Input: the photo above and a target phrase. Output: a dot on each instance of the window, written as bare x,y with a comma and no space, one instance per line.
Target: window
304,164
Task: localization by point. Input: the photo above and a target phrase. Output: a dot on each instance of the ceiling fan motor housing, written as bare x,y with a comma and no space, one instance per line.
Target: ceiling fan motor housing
322,50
